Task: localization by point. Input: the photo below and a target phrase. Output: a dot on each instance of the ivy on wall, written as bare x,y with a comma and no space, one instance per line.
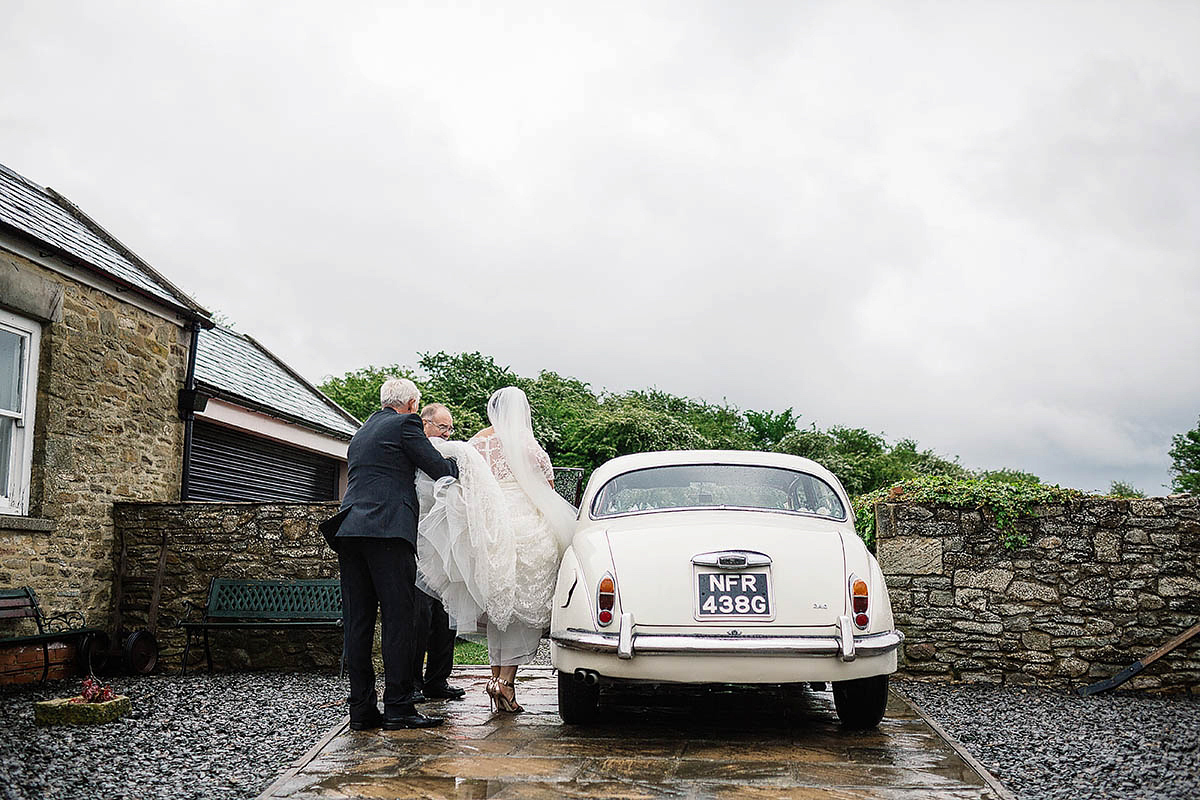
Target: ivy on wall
1004,502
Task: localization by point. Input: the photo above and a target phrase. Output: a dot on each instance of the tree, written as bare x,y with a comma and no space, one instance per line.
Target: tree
358,390
622,428
1185,461
856,456
926,462
581,428
863,461
1013,477
465,380
811,443
1123,489
722,426
559,406
768,428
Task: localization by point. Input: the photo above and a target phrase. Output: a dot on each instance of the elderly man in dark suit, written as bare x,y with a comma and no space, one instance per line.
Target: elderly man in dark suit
375,536
431,630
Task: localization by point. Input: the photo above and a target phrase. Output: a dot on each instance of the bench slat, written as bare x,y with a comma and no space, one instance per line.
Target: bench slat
275,600
17,613
61,636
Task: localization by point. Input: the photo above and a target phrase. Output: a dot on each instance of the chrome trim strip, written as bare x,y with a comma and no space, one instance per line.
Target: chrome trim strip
749,558
874,644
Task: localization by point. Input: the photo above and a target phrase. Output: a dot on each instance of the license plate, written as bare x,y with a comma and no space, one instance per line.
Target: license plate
733,594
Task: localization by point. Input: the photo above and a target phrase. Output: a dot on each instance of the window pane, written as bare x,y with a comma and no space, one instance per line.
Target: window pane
6,454
11,349
695,486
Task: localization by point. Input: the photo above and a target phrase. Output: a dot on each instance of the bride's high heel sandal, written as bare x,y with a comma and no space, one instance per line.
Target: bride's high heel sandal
506,703
492,691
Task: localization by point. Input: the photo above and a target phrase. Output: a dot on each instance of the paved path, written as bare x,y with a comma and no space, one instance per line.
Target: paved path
682,743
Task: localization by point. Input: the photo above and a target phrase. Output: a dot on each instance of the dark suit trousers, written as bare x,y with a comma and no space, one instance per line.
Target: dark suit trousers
433,635
378,573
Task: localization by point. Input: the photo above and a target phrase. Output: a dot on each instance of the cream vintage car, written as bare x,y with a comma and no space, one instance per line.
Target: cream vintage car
714,566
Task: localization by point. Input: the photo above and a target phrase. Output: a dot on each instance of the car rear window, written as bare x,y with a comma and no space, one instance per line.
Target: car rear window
736,486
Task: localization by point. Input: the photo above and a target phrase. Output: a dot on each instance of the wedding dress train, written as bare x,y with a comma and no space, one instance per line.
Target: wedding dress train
487,550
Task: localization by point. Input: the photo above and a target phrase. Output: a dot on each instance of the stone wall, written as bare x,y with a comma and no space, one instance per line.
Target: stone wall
106,429
1102,583
262,541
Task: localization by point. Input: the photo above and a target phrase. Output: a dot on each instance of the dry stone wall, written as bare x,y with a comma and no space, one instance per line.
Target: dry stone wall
1102,583
253,541
106,429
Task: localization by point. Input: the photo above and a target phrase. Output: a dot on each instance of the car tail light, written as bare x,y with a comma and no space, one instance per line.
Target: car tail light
606,599
859,601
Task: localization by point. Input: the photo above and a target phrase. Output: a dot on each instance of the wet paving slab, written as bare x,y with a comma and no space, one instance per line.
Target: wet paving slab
651,742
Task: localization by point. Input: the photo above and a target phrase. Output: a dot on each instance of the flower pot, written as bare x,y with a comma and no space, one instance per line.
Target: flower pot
63,711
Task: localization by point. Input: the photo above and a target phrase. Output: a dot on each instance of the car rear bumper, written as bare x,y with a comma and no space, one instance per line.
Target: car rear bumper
629,644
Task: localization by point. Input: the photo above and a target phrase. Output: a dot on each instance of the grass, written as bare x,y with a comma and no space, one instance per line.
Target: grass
465,652
470,652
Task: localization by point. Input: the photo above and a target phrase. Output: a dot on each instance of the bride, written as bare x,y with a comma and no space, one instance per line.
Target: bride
489,543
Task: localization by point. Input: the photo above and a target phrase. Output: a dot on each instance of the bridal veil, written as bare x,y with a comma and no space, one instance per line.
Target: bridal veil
508,411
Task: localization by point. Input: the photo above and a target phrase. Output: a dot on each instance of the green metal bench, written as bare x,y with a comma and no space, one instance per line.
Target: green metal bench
234,604
22,603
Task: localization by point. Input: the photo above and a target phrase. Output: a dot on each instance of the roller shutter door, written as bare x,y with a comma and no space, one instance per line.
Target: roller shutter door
228,465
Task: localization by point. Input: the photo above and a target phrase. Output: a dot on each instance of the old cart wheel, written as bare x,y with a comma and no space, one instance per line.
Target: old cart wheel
91,653
860,703
141,652
578,702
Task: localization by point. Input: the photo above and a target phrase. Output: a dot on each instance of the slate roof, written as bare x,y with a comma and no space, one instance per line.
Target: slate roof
237,368
49,218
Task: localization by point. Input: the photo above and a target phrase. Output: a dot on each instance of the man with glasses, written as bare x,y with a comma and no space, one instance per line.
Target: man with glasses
431,625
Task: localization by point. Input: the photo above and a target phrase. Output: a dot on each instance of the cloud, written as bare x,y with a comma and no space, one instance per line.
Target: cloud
974,225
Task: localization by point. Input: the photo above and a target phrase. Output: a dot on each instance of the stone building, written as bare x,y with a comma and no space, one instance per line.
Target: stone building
117,388
94,350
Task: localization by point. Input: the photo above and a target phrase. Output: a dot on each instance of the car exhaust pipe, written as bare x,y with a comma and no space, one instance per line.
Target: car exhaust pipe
590,677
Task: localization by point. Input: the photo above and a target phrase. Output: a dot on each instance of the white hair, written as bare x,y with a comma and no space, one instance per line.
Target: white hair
398,392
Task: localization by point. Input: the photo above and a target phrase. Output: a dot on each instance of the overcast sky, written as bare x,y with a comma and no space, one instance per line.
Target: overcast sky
972,224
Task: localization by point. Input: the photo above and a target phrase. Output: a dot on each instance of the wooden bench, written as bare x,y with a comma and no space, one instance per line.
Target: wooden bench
240,604
22,603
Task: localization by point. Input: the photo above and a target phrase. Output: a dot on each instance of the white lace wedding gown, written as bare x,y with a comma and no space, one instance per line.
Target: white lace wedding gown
487,551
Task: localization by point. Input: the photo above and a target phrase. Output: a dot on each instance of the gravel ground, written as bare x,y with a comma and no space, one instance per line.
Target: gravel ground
1043,744
230,735
201,736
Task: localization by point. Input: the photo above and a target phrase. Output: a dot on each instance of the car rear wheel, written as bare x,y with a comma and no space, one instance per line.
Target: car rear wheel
578,702
860,703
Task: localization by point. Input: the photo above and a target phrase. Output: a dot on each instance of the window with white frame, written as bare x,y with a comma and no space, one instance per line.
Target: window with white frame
19,339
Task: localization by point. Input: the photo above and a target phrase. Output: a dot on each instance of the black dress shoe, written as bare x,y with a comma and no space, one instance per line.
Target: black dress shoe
413,720
368,724
418,696
445,691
